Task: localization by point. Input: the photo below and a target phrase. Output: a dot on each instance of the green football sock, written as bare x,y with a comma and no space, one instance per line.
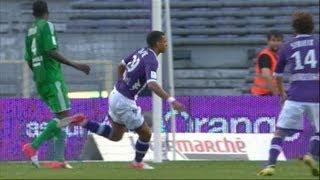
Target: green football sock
59,145
50,131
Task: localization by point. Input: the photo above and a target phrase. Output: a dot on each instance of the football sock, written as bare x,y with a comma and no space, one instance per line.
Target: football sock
59,145
50,131
100,129
275,149
314,146
141,149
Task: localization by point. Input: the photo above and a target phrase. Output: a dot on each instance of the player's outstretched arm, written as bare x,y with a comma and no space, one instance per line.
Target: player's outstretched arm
156,88
79,66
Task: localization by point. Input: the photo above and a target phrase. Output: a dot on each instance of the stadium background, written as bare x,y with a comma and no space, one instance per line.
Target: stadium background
214,41
214,45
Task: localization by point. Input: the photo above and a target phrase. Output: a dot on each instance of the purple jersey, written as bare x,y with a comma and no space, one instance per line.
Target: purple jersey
301,53
141,68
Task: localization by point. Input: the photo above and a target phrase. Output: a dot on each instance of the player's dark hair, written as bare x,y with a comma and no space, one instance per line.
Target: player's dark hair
274,33
39,8
302,23
153,37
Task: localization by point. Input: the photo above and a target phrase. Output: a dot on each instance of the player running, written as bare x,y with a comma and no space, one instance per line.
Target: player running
135,72
301,53
45,62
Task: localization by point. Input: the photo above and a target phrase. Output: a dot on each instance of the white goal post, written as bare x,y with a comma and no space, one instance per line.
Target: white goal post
157,101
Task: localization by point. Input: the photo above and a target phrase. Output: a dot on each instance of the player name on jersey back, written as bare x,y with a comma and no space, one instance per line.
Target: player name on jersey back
301,54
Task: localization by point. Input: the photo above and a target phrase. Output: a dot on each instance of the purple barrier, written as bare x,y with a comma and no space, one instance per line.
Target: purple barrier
23,119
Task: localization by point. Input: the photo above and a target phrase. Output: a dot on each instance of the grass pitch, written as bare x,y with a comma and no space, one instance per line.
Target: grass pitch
166,170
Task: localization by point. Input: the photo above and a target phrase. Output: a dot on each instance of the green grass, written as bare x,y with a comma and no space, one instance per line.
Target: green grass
166,170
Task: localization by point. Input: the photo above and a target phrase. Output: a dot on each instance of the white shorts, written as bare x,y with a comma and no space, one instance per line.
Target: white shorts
124,111
292,113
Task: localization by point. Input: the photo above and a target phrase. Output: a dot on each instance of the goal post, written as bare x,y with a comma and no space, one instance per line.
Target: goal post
170,74
157,101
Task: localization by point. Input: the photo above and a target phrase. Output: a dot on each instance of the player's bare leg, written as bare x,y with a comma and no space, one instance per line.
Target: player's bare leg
117,131
142,146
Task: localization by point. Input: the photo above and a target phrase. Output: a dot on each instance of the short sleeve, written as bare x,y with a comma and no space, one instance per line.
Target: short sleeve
281,62
49,38
151,67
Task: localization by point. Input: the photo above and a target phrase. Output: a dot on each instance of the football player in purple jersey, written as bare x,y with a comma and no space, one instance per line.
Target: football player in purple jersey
135,72
301,55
